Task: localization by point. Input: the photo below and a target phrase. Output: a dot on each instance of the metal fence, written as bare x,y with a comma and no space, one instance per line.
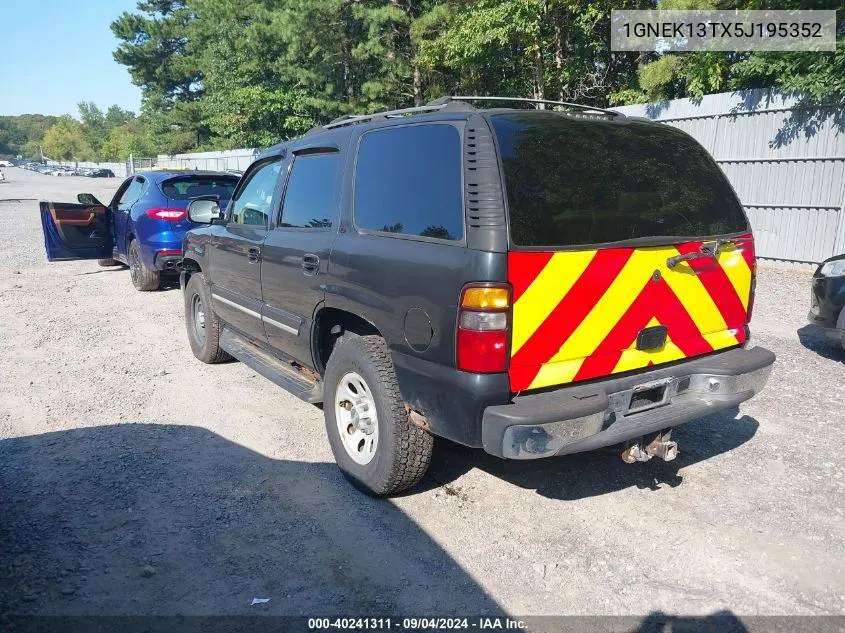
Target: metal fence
784,156
230,160
120,170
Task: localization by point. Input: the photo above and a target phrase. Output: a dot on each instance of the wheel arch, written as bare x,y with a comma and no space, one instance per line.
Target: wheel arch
330,324
188,267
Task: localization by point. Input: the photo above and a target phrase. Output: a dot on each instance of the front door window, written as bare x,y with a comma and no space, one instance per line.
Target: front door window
254,201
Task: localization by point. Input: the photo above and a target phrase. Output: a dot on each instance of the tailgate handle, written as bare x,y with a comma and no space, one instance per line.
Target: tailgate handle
707,249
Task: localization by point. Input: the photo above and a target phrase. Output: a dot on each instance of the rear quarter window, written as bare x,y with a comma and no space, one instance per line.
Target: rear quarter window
408,181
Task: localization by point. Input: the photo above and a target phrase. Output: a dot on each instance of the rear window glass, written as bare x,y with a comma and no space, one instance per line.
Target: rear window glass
185,188
573,182
408,181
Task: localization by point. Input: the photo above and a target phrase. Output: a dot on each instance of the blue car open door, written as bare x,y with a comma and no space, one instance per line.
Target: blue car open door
76,231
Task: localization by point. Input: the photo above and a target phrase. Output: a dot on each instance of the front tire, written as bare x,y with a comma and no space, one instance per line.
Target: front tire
143,278
203,325
374,443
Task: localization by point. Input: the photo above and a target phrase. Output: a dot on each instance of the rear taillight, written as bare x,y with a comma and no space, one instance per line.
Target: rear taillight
164,213
746,246
483,321
751,293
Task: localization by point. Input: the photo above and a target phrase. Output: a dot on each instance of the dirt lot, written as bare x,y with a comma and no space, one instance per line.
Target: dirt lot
136,480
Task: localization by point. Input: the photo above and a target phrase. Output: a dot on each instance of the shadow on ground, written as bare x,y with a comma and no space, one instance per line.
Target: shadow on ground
817,342
597,472
161,519
168,282
722,621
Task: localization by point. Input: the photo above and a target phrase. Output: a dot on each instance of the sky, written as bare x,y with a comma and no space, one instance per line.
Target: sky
56,53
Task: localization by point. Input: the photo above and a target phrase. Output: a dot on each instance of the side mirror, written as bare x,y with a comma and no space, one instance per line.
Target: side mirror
204,210
89,199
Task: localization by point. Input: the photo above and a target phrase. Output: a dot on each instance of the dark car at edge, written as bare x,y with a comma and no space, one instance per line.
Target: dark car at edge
827,299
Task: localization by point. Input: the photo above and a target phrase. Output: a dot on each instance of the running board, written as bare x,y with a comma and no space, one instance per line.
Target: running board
279,371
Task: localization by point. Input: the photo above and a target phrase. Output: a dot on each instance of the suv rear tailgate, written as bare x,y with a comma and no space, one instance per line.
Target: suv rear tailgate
601,210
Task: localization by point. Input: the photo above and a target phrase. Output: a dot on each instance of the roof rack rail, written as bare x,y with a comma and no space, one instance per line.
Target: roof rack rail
351,119
581,106
443,102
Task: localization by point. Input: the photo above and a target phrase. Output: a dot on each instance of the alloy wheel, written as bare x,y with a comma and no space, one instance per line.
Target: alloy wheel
357,418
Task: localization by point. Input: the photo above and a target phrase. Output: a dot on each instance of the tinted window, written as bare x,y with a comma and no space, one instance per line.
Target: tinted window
253,205
574,181
310,195
185,188
132,193
408,180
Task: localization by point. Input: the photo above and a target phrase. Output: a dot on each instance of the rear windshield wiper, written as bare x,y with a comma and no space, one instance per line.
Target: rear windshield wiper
708,249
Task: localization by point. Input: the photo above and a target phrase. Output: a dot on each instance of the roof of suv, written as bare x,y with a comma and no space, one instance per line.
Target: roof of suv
446,108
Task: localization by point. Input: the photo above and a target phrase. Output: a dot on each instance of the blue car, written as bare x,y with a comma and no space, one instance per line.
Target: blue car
142,227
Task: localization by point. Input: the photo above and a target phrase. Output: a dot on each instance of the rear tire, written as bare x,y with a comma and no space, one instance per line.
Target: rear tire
395,454
143,278
203,325
108,262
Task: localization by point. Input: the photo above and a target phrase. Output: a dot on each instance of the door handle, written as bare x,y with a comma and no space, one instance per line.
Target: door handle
310,263
253,255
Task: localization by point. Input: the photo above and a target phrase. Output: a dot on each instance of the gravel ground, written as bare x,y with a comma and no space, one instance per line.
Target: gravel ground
136,480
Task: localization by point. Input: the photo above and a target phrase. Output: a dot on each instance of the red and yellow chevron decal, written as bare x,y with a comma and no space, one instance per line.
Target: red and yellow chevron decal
576,314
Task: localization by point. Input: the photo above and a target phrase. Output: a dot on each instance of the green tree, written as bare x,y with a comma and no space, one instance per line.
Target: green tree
131,138
94,126
66,140
155,48
546,49
228,73
23,134
819,75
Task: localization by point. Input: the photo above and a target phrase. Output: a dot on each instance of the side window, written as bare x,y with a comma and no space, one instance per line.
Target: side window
132,193
408,181
254,201
310,195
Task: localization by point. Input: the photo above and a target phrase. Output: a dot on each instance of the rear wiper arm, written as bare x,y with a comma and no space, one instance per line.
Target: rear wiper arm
708,249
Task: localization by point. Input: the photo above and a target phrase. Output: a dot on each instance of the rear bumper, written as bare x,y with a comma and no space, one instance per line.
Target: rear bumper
827,307
585,417
835,334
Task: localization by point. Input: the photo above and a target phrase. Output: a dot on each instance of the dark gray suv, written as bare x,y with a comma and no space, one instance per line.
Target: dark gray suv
533,282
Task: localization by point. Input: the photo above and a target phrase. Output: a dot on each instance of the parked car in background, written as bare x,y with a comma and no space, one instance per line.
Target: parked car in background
100,173
533,283
827,299
6,163
142,227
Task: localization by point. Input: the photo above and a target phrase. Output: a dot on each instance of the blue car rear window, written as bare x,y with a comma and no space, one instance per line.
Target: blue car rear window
187,187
